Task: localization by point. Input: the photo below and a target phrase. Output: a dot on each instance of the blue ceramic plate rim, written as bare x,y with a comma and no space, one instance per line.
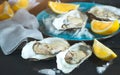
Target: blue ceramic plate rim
84,6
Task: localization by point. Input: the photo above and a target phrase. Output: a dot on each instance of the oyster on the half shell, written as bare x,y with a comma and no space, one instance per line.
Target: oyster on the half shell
44,49
105,12
71,58
73,19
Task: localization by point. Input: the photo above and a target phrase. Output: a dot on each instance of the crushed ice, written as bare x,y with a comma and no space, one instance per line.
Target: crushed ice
53,71
101,69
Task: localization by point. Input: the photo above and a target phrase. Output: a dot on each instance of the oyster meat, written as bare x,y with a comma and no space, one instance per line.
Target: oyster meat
44,49
70,20
70,26
105,12
71,58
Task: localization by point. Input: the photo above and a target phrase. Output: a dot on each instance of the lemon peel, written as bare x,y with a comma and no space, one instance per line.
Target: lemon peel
61,8
5,11
20,4
104,27
103,52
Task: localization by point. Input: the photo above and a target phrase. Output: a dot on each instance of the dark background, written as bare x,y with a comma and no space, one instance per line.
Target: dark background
14,65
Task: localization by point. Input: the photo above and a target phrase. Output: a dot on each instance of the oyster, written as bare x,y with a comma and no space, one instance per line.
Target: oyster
53,25
44,49
70,20
105,12
71,58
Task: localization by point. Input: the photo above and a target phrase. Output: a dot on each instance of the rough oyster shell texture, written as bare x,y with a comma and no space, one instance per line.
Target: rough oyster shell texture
70,26
105,12
71,58
70,20
44,49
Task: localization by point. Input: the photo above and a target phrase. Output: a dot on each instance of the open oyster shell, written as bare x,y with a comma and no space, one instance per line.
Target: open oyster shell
50,22
71,58
105,12
44,49
73,19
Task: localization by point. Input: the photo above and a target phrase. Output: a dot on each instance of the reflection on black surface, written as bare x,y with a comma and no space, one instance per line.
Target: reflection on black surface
15,65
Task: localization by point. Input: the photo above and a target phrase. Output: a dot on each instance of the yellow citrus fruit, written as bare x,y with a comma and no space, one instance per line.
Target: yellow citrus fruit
102,51
61,8
20,4
5,11
104,27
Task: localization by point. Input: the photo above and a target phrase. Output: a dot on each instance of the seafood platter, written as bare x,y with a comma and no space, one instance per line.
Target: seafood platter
52,31
63,26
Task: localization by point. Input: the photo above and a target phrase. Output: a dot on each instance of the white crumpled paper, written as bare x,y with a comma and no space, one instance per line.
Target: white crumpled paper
17,29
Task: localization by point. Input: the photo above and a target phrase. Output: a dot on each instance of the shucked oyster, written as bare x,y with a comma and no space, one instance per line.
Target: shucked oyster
71,58
70,20
44,49
105,12
59,26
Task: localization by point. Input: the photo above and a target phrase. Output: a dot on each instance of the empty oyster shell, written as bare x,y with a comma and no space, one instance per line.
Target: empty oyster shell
70,20
105,12
44,49
71,58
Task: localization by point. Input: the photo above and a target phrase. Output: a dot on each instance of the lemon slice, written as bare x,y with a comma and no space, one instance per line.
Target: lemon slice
20,4
103,52
61,8
5,11
104,27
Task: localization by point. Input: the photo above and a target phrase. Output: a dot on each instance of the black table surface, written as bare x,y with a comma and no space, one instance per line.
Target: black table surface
14,65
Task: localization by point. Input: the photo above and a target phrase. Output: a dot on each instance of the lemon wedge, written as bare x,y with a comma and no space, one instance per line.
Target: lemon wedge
61,8
104,27
20,4
103,52
5,11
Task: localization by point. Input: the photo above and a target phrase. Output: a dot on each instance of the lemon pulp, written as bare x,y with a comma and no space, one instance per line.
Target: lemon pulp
20,4
60,8
104,27
5,11
103,52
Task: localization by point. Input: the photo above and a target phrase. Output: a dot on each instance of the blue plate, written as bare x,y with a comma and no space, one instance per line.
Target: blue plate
84,7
